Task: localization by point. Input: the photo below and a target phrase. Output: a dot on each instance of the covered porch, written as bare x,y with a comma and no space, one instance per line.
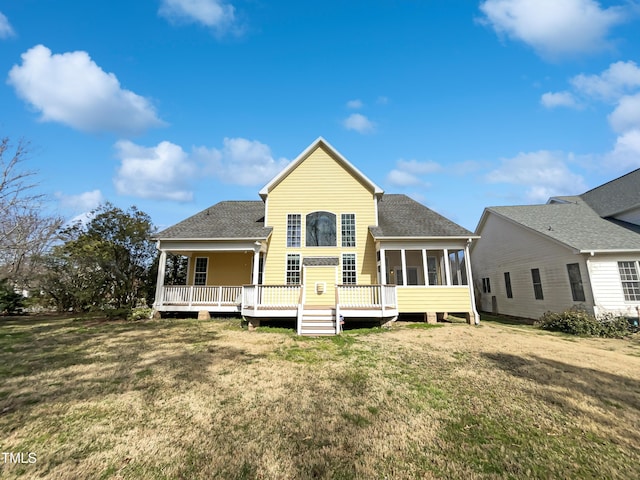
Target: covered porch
196,276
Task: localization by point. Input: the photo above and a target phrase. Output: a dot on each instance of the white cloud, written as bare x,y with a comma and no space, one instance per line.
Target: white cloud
359,123
6,30
559,99
626,152
162,172
355,104
554,27
215,14
544,173
167,172
626,115
616,81
82,202
400,178
70,88
408,173
241,162
419,168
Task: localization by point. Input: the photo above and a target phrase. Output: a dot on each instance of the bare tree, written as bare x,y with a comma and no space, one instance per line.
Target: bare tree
25,231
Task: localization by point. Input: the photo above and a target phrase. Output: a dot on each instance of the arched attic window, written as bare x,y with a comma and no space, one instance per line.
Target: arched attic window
321,229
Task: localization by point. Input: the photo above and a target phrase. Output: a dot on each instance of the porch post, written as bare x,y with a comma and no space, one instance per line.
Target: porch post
425,267
162,266
447,270
256,265
383,267
403,261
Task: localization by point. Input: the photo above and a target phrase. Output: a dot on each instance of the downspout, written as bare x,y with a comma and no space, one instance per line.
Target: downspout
472,294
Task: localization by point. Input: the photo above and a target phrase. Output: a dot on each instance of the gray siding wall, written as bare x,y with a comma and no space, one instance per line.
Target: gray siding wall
507,247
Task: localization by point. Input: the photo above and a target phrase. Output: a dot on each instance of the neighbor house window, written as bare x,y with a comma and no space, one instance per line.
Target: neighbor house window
537,283
507,284
575,280
294,230
321,229
630,280
200,273
349,268
486,285
293,269
348,227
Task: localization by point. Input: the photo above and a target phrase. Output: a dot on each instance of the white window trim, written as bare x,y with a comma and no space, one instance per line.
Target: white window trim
286,268
355,230
355,260
206,272
286,240
636,265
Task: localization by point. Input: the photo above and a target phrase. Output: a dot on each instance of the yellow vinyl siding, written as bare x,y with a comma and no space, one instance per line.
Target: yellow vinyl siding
425,299
325,275
320,183
225,268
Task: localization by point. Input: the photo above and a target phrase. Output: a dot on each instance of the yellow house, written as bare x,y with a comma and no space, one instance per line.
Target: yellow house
324,244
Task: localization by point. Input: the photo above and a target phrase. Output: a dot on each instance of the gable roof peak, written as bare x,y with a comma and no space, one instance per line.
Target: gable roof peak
317,143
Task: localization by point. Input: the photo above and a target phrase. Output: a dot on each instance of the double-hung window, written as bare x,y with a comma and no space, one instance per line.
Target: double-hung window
630,280
200,272
575,280
507,284
349,269
294,229
293,269
537,283
348,229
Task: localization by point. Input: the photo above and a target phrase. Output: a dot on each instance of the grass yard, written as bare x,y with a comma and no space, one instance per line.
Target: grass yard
188,399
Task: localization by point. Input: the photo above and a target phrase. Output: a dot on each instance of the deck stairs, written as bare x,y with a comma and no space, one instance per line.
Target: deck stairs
318,320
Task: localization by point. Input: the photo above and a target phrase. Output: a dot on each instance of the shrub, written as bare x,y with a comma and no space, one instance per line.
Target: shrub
577,321
140,313
10,301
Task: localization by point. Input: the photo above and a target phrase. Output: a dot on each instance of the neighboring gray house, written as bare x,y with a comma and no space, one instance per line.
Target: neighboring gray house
576,250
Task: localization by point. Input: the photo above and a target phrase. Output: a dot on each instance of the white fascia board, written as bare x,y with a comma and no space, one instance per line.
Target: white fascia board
199,245
611,251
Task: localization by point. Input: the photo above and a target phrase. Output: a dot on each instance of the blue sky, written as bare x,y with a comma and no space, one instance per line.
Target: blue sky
174,105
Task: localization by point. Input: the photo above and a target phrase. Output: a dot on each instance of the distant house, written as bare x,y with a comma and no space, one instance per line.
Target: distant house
323,243
577,250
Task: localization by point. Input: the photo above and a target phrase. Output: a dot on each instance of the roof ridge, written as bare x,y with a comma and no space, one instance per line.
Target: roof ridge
607,183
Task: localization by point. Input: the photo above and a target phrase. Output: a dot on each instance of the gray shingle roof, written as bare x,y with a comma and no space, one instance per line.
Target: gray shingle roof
574,224
616,196
224,220
401,216
398,216
320,261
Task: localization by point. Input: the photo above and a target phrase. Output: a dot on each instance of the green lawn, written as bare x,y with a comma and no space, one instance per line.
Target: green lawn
183,399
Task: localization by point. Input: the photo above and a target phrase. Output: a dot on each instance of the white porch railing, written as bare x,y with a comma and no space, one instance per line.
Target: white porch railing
187,295
271,296
366,296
